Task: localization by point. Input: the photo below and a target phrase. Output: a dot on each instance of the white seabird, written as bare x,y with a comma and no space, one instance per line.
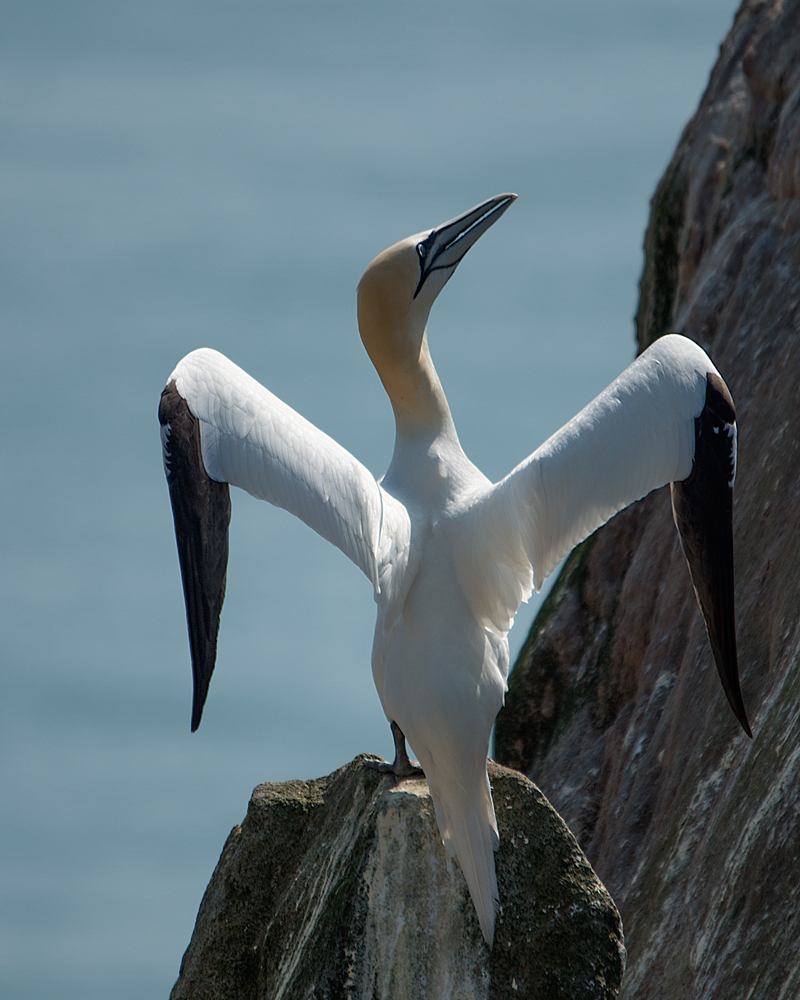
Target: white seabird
449,554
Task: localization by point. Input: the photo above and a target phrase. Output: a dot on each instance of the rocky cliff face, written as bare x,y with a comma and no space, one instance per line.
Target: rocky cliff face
340,888
615,708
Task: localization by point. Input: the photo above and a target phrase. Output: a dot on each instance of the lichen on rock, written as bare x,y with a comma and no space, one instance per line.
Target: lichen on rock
340,888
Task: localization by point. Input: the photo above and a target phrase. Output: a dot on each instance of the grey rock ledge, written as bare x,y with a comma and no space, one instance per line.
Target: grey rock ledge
340,888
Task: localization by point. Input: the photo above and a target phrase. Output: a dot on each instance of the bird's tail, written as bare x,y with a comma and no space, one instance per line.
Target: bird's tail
469,831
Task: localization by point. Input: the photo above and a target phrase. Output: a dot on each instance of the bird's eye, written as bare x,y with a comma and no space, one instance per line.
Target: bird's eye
422,250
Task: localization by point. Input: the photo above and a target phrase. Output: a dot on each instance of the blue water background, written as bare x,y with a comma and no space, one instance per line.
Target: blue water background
176,175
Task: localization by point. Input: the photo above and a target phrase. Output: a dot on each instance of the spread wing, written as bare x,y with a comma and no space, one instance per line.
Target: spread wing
668,418
220,426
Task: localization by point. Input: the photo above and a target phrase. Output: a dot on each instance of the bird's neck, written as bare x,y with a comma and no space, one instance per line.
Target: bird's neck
428,465
417,396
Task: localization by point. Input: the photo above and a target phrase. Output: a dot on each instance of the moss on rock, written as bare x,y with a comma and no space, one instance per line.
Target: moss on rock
340,888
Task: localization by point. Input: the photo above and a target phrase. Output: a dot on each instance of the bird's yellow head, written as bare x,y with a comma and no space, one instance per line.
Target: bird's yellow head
395,296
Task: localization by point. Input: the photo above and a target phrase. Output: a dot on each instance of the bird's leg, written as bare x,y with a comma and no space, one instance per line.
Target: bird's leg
402,766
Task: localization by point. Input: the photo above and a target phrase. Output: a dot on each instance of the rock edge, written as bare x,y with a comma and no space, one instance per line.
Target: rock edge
340,887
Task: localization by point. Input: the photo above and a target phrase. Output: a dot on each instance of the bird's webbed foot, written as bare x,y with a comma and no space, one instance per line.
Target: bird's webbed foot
401,767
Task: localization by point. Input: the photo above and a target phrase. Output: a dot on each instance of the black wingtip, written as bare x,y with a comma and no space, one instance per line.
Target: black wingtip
729,675
201,508
202,679
702,506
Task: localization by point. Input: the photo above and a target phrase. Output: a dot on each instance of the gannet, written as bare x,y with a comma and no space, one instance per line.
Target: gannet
449,554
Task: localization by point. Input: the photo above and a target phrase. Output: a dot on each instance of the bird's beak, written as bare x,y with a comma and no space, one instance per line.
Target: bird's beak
444,246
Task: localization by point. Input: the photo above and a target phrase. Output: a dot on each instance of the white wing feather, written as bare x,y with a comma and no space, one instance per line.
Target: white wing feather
637,435
253,440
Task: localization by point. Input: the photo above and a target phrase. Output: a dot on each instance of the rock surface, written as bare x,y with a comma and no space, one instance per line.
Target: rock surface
340,888
615,708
